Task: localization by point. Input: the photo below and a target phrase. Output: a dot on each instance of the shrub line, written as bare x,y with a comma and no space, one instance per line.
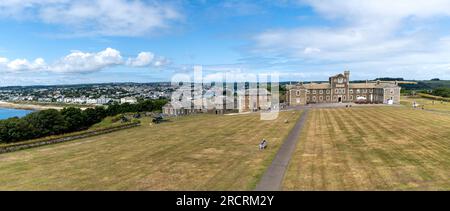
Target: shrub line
433,97
65,138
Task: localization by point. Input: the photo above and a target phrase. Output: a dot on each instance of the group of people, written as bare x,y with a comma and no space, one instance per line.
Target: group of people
416,105
263,144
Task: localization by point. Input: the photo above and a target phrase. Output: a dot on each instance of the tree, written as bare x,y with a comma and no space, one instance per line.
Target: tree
46,122
442,91
75,119
94,115
113,109
147,105
14,129
52,122
158,104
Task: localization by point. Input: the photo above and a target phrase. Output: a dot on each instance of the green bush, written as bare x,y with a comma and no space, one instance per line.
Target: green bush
46,122
52,122
432,97
442,91
116,118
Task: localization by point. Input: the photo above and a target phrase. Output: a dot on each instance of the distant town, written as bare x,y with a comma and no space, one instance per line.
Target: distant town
87,94
110,93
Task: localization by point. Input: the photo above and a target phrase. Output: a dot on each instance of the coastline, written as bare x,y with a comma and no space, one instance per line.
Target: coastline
33,107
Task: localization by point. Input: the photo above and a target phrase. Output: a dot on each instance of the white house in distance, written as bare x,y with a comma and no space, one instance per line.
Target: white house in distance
91,101
131,100
103,100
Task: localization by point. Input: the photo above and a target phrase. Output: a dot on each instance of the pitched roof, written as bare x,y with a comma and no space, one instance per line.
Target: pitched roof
316,86
173,105
362,85
367,85
387,85
337,75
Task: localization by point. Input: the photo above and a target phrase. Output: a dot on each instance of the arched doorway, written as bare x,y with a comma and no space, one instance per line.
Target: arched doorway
340,99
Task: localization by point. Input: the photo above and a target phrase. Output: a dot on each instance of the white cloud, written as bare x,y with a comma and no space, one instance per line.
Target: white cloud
142,60
3,60
376,10
22,64
80,62
147,59
96,17
84,62
371,36
161,61
309,50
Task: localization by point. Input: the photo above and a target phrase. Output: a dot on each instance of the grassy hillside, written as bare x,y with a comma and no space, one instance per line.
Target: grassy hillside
426,85
426,103
205,152
372,149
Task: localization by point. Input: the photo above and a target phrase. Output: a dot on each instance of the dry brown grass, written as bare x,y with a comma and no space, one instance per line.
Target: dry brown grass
434,105
372,149
204,152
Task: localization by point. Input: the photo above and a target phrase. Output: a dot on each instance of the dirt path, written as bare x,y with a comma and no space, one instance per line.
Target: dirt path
273,177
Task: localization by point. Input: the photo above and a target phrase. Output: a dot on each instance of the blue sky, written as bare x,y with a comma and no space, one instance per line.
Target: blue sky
62,41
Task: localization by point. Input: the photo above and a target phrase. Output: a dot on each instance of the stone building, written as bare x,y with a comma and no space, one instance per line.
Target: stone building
340,90
248,100
253,100
171,110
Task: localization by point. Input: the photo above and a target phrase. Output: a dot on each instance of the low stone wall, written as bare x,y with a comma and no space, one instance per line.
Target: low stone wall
13,148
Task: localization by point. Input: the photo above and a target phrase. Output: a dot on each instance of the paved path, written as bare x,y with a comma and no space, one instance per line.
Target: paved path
273,177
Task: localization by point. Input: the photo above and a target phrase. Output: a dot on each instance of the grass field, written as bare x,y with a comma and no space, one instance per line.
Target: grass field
427,103
372,149
204,152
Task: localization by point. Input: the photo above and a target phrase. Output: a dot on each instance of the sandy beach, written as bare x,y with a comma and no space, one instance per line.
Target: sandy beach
4,104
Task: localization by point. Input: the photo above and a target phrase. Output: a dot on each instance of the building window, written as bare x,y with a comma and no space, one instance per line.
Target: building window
321,98
343,97
351,91
307,98
314,92
321,92
370,90
351,97
358,91
336,91
364,90
328,91
314,98
298,93
328,98
307,91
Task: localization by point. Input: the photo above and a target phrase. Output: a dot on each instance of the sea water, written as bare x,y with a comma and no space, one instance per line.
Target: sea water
6,113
